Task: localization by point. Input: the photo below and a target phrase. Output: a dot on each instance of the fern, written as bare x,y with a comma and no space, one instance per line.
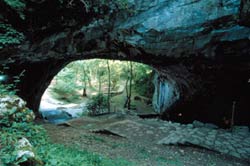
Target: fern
9,36
17,5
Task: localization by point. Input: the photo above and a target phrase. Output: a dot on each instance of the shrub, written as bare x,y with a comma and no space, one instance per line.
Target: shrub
98,104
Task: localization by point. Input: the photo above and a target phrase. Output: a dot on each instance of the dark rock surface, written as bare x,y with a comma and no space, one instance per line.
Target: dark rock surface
201,47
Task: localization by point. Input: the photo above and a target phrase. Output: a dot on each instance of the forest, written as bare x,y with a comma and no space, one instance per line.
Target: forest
102,83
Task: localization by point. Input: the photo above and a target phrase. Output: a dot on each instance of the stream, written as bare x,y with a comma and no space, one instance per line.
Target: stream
54,111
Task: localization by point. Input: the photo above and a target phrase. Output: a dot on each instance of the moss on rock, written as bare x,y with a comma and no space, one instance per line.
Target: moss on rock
13,109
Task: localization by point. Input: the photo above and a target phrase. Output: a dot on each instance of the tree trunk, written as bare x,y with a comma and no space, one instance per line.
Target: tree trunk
129,89
130,85
232,117
100,84
126,89
109,85
89,82
84,91
99,79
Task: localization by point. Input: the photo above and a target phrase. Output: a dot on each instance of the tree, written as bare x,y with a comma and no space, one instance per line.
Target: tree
84,82
65,86
142,79
128,87
109,85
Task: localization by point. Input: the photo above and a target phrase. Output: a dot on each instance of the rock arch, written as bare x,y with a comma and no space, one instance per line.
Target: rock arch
202,47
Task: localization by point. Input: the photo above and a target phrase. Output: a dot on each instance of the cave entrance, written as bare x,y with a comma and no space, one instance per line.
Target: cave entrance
98,87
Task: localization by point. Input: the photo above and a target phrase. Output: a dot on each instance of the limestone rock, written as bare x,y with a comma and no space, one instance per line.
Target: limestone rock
24,148
14,109
165,95
25,154
198,123
10,102
236,143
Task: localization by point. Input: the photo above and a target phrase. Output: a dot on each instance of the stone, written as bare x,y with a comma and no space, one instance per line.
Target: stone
235,154
25,154
165,95
11,106
211,126
209,143
8,102
190,125
214,139
162,128
198,124
241,130
24,148
195,141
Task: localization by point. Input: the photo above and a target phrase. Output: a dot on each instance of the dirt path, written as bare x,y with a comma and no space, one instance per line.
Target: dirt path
135,139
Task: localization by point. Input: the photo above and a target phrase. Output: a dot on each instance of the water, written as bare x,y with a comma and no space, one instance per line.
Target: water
54,111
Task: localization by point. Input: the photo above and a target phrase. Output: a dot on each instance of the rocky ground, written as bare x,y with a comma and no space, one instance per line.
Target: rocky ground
152,142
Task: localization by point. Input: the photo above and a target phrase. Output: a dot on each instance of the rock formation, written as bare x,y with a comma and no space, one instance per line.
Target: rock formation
200,48
13,109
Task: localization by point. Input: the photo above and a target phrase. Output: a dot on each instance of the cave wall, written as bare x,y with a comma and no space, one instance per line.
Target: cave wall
205,93
36,79
166,93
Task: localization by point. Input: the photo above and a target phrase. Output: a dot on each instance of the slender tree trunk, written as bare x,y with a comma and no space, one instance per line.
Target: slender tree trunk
89,82
130,85
126,89
84,92
129,89
109,85
100,84
232,117
99,80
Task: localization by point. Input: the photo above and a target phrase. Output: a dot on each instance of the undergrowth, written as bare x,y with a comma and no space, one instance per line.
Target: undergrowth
13,128
49,153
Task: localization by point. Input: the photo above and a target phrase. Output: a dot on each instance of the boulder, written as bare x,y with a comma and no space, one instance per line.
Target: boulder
14,109
25,154
24,148
198,124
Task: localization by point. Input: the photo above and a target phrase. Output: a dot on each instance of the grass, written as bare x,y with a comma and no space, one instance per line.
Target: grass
94,138
144,153
49,153
59,155
170,162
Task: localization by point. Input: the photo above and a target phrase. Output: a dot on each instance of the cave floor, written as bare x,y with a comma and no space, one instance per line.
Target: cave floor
136,140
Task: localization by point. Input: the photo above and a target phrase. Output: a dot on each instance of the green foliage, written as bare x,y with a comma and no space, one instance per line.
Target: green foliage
5,89
122,4
10,135
47,153
9,88
100,6
97,104
50,154
92,75
17,5
15,116
143,80
59,155
9,36
65,87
